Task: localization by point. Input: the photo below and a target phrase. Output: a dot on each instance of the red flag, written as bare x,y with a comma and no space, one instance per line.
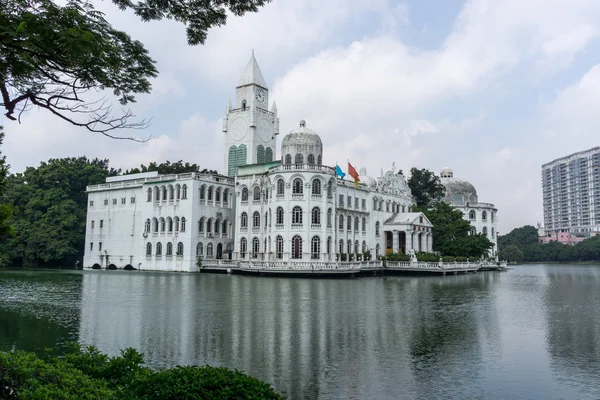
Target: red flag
352,172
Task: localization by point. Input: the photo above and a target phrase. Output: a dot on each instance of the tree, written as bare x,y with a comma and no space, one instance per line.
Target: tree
52,56
5,209
451,233
510,253
169,168
426,187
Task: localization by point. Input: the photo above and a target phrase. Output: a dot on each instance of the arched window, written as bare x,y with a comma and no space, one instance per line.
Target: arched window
297,247
341,222
171,193
199,249
297,186
244,221
218,195
255,247
299,159
377,250
349,223
316,186
176,220
270,221
329,245
226,196
457,198
330,190
184,192
210,193
217,226
329,216
159,249
377,228
163,191
256,219
473,230
297,215
147,226
280,186
349,247
341,249
279,216
268,154
183,224
179,249
244,105
154,225
492,233
311,159
201,225
356,227
209,250
156,194
364,247
266,219
316,216
245,194
148,249
169,249
256,195
472,214
315,248
279,247
243,247
209,225
288,159
484,230
225,227
356,247
177,191
319,160
260,154
492,216
163,225
484,215
364,224
149,194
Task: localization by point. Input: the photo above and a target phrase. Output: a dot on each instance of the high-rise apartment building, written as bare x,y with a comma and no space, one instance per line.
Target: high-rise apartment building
571,193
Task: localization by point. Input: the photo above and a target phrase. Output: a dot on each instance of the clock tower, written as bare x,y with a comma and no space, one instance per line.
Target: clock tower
250,127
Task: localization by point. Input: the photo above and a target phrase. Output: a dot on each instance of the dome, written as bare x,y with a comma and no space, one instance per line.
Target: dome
302,145
458,191
366,179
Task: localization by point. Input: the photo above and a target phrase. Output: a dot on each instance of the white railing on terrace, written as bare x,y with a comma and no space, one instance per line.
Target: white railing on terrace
310,167
141,181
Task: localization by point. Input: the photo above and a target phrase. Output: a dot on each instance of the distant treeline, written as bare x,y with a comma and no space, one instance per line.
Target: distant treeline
523,244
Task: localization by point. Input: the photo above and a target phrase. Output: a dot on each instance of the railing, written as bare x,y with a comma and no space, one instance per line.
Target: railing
297,167
161,178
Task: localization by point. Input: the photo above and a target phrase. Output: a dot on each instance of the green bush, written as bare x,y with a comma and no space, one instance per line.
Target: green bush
448,259
427,257
88,374
462,259
343,257
398,257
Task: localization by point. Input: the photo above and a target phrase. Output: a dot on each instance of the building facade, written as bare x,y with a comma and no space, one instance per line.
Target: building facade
571,194
462,195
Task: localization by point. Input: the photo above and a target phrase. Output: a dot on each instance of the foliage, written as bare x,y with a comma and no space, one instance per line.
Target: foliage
427,257
169,168
52,54
50,206
343,257
5,209
89,374
367,255
398,257
199,261
426,187
448,259
452,233
512,253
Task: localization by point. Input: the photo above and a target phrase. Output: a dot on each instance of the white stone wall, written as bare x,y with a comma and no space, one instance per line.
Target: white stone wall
490,223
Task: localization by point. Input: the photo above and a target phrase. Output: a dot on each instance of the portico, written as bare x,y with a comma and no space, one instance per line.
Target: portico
408,231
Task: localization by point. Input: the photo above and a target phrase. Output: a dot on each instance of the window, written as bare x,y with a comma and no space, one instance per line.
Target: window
297,247
210,193
159,249
329,245
156,193
492,217
311,159
349,201
176,221
492,232
364,204
91,203
163,225
209,225
101,223
217,225
457,198
93,224
244,221
149,194
268,154
377,228
356,202
183,224
330,190
349,223
267,219
245,194
364,247
356,224
364,224
279,216
147,226
209,250
179,249
297,215
472,214
473,230
169,224
148,249
297,186
356,248
203,192
484,216
299,159
316,216
280,187
224,227
319,159
132,200
105,202
329,214
255,247
244,105
484,230
201,225
315,248
123,200
226,196
171,193
199,249
341,200
91,246
256,219
114,201
288,159
341,249
375,204
341,223
184,192
178,191
316,186
164,193
387,206
169,249
260,154
256,194
100,246
349,248
218,195
279,247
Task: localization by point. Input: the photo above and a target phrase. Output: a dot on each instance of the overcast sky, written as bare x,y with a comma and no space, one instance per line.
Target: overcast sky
491,89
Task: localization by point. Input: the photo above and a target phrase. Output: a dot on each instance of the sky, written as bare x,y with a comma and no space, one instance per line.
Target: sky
490,88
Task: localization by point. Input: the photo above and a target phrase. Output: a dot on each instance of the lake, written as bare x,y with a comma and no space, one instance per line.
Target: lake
529,333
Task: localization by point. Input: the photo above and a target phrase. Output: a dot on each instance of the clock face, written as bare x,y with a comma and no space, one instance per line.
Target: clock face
265,129
238,128
261,96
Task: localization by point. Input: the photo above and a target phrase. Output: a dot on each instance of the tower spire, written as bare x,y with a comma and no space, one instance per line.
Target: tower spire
252,74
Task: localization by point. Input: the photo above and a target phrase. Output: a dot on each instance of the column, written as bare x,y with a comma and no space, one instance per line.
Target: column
394,241
409,241
430,242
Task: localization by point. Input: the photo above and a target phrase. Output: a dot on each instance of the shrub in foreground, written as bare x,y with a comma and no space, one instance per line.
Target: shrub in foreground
88,374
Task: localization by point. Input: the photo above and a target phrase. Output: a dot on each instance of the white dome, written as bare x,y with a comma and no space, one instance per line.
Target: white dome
458,191
302,145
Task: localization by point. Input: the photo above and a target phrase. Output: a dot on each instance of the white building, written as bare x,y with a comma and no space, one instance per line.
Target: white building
462,195
292,209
